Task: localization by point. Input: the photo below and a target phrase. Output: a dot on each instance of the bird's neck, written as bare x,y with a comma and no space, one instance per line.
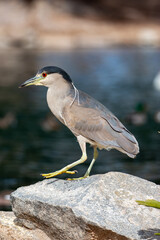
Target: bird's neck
60,88
58,96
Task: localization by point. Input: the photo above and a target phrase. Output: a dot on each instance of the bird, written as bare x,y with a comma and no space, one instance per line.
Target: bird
89,120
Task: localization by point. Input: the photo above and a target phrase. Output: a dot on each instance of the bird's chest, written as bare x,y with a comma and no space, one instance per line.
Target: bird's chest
56,105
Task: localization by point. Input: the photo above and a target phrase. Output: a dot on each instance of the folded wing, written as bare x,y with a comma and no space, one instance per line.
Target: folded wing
98,124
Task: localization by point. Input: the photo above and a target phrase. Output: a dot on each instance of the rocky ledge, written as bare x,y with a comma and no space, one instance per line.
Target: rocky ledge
10,231
101,207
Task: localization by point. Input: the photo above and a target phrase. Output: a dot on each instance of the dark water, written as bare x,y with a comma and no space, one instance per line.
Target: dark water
120,78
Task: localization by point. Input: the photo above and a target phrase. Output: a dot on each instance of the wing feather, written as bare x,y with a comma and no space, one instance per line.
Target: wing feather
97,123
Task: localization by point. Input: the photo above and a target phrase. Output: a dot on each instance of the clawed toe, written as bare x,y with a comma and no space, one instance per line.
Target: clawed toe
72,172
80,178
49,175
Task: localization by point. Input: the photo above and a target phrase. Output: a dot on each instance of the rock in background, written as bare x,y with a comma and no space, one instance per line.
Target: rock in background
100,207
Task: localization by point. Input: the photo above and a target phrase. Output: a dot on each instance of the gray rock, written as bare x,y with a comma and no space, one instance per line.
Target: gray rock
10,231
99,207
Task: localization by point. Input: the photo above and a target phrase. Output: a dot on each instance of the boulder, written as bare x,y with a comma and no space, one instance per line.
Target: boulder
100,207
10,231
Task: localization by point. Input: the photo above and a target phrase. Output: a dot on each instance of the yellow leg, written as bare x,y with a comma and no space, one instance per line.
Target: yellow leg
65,169
95,155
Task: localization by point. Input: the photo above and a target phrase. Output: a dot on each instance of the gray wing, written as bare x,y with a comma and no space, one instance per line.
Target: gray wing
89,118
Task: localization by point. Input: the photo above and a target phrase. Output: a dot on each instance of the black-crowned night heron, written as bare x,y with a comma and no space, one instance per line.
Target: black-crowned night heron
88,119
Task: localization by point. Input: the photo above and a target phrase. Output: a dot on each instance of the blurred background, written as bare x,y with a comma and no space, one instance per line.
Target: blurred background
111,50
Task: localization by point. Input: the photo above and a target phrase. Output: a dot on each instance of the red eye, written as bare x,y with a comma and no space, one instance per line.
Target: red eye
44,74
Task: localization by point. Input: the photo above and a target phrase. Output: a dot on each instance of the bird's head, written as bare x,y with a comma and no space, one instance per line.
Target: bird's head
48,76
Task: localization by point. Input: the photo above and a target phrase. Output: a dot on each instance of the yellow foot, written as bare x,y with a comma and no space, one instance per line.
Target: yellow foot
49,175
80,178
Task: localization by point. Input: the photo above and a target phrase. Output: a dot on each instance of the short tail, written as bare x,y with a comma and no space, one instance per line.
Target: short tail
128,143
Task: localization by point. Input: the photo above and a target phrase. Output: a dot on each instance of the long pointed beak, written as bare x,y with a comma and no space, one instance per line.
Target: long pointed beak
32,81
